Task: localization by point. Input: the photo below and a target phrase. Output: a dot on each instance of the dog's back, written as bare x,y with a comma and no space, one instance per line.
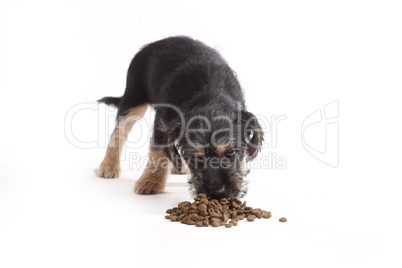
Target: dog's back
173,71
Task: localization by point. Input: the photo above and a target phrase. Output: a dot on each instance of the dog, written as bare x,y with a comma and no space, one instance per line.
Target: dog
201,124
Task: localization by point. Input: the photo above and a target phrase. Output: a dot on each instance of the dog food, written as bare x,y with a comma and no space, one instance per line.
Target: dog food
283,219
205,211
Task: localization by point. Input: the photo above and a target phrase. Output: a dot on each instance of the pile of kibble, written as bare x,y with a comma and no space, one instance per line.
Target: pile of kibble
205,211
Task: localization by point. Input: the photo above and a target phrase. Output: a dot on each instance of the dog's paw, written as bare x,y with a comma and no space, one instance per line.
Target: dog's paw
107,170
147,186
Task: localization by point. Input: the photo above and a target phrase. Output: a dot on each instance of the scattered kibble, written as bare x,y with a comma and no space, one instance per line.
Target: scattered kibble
205,211
283,219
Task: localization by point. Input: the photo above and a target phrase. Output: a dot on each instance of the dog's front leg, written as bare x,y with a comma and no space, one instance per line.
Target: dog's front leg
153,179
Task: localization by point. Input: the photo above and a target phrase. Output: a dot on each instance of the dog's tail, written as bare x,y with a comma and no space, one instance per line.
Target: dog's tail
110,101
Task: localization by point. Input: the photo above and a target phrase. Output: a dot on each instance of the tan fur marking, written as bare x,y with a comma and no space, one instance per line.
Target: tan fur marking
184,169
110,166
153,179
171,145
222,148
199,151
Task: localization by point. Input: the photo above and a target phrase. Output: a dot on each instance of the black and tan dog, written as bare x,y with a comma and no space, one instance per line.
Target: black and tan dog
201,125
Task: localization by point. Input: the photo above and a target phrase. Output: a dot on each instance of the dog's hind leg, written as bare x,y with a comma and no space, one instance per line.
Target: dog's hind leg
110,166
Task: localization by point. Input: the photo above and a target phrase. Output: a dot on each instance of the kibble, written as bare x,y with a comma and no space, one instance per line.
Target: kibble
251,217
228,225
234,222
283,219
202,207
267,214
215,224
205,211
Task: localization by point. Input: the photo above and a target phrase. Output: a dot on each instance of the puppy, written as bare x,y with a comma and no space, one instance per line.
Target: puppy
201,124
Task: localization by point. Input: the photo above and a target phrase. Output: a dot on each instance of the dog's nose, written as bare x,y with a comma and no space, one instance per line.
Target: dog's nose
221,190
216,194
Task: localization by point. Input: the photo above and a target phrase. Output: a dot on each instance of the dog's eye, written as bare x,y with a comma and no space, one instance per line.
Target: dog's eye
230,153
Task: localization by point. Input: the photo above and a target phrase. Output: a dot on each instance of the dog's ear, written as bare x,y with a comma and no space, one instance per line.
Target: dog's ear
171,151
253,133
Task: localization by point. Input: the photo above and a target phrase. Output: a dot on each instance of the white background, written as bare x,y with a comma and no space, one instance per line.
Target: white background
292,58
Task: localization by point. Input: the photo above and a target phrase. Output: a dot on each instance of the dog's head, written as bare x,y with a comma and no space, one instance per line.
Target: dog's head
216,149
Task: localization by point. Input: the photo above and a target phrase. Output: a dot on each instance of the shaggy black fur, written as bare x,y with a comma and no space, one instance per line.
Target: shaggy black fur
199,106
